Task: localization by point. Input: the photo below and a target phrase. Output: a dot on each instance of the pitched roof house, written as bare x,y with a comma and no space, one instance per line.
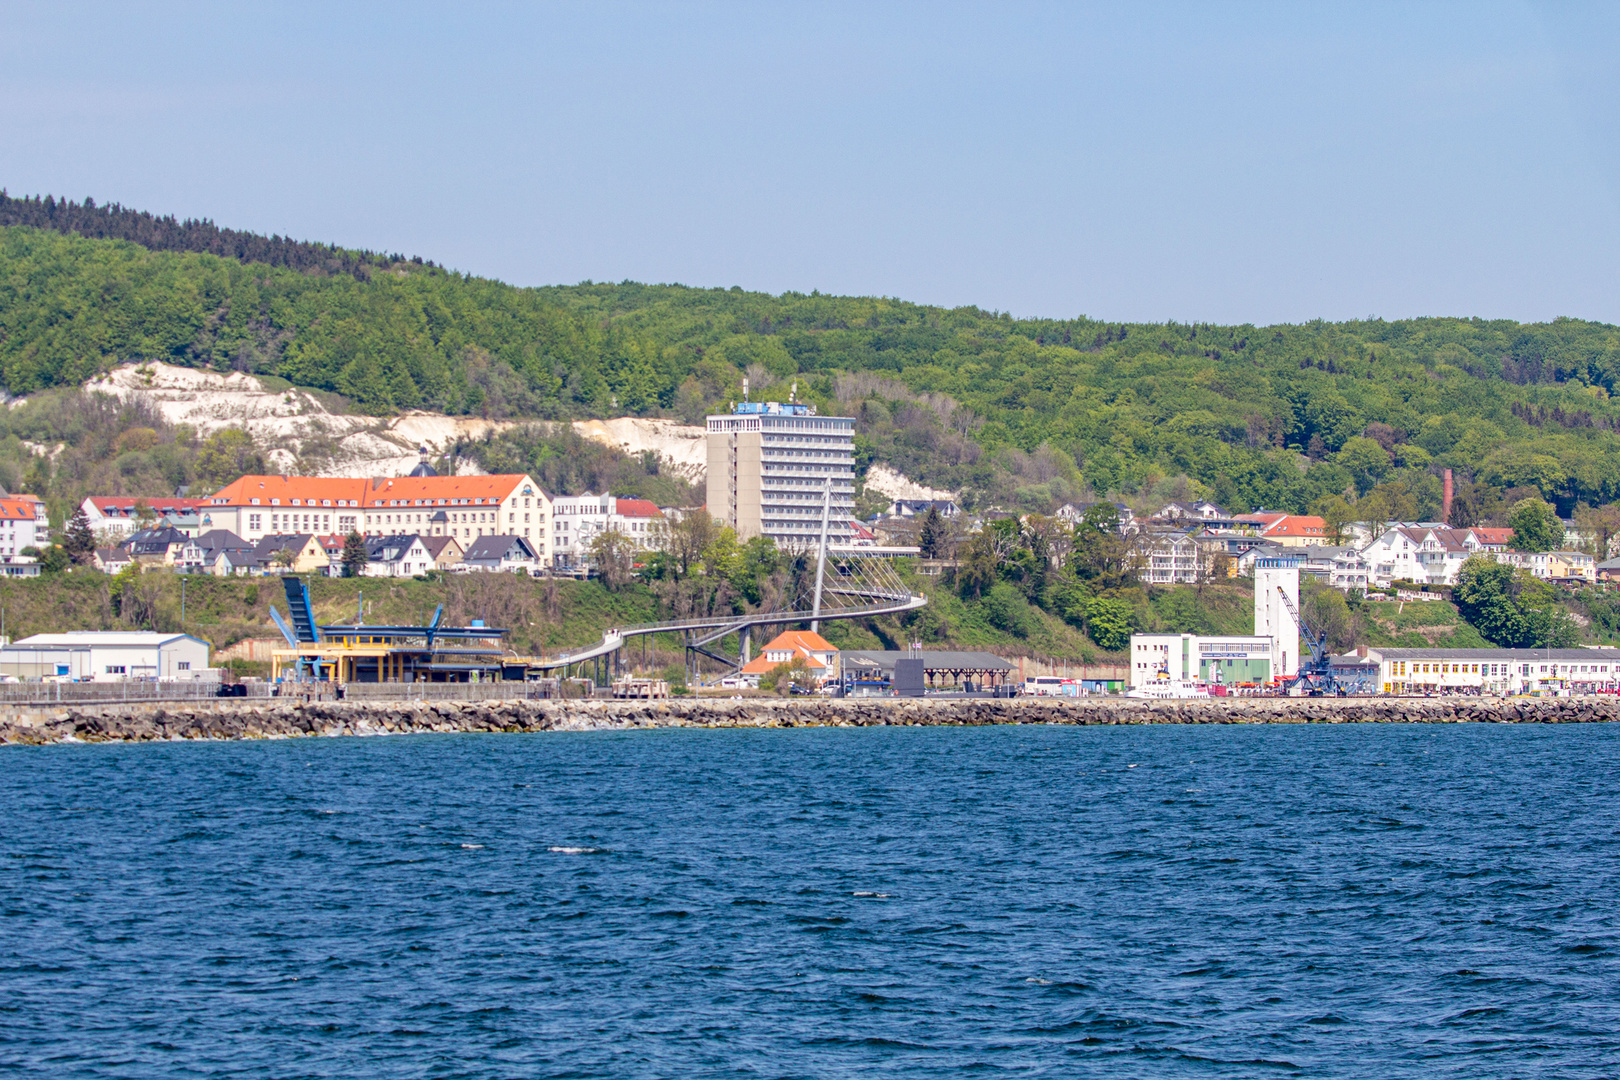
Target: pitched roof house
819,656
397,556
498,553
445,551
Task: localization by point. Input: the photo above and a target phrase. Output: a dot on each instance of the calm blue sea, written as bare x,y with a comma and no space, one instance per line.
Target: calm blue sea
1346,901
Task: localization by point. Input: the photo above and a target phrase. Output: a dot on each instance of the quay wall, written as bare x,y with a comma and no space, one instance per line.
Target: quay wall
275,718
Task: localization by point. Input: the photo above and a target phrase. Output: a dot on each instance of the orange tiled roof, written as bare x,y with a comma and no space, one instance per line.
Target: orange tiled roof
1296,525
336,491
17,508
800,639
637,508
798,643
759,665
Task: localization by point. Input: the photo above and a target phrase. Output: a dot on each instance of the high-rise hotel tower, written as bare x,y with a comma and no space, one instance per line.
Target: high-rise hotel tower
768,464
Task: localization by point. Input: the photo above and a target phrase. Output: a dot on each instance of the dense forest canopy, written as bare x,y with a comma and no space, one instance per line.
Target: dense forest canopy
1020,412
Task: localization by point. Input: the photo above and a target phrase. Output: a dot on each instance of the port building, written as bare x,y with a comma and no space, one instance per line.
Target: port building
107,656
1220,659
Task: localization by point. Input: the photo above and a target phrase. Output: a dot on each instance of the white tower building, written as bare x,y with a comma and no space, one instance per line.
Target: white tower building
1273,580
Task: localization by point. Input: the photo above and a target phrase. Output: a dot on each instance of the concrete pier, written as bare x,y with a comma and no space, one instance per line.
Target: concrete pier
227,719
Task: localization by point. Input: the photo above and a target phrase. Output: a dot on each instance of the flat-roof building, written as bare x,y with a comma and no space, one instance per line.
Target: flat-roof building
1495,671
1223,659
107,655
768,464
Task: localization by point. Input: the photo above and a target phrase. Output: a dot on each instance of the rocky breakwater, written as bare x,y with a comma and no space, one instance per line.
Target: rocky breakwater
276,719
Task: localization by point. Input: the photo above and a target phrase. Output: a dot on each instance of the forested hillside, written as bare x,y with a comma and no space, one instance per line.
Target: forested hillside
1019,412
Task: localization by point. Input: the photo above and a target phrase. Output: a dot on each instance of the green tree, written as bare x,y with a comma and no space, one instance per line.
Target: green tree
1602,523
355,556
1108,623
78,541
1006,609
933,538
226,456
55,560
1366,460
1536,526
1486,594
1335,513
612,553
784,678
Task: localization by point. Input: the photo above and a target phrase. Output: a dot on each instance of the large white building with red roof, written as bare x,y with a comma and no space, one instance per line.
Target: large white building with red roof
463,507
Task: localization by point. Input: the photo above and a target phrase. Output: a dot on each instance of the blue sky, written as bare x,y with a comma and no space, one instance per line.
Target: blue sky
1197,162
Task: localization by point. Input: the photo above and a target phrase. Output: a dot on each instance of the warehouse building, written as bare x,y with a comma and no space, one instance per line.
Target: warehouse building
107,656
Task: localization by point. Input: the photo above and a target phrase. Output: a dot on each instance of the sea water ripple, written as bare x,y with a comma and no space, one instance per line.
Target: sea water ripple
1347,901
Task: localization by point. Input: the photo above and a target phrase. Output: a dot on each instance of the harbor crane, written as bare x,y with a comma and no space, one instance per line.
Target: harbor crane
1315,676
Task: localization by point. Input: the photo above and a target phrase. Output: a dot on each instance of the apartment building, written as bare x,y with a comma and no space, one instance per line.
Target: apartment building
22,524
1171,558
1434,553
768,464
114,517
576,520
463,507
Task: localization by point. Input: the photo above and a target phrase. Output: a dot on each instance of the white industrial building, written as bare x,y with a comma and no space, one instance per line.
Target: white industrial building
1276,607
107,656
1220,659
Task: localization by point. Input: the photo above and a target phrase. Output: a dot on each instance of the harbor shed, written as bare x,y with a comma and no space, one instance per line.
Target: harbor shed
940,667
107,656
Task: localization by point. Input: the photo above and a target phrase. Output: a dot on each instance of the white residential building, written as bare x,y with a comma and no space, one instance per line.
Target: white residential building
22,524
1169,558
114,517
397,556
576,520
502,554
1432,554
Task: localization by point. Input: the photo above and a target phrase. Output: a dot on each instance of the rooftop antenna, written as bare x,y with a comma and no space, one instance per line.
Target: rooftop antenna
793,393
745,388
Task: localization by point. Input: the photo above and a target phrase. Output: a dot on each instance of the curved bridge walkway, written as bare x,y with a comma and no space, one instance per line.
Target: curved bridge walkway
697,634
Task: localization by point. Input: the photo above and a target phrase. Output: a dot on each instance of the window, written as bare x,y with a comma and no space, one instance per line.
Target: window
115,669
184,665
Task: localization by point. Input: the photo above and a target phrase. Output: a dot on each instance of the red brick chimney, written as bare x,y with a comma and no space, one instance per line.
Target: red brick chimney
1445,505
